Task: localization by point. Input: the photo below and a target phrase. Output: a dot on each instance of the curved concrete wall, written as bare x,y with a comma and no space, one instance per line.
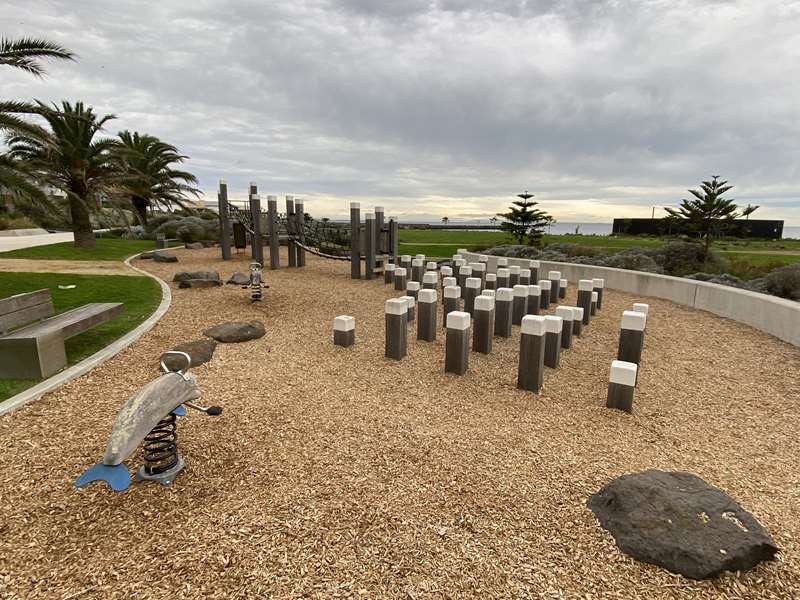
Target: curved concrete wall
769,314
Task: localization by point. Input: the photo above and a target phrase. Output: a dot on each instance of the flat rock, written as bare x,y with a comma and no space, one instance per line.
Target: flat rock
239,278
200,352
193,245
186,275
164,257
199,283
678,521
236,331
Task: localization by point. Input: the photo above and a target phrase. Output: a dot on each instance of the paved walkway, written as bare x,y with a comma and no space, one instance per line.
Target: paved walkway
28,241
81,267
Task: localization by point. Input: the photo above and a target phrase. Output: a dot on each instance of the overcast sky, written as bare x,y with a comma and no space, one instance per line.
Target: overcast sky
445,107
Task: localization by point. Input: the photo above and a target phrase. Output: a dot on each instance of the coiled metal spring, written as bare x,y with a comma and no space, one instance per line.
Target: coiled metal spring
160,446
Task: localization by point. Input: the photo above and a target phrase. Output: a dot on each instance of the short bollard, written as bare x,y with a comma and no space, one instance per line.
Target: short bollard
430,280
482,258
544,285
446,272
530,373
577,320
456,351
534,300
503,277
520,303
463,273
448,281
562,288
641,307
534,267
552,346
599,284
417,269
388,273
502,263
491,281
426,319
513,279
593,309
431,266
479,270
483,328
421,257
452,301
585,298
344,331
490,293
504,311
462,251
473,288
396,328
621,383
631,337
400,279
555,284
405,262
565,312
412,289
458,263
524,276
411,305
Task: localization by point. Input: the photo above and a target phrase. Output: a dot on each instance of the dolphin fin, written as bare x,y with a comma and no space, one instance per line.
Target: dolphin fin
117,476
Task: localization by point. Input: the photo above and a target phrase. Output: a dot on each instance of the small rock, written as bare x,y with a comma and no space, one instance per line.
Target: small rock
236,331
200,352
239,278
679,522
199,283
186,275
164,257
193,245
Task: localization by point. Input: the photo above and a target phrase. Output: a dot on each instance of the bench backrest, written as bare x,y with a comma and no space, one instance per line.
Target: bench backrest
24,308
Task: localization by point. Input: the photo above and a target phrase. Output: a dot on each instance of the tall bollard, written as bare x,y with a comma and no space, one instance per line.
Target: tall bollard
388,272
534,267
530,373
491,281
524,276
355,240
344,331
411,309
503,278
430,280
452,301
504,311
400,279
593,309
631,337
484,324
412,289
577,320
555,283
426,319
534,300
562,289
520,303
552,346
513,279
621,383
585,298
565,312
417,269
463,273
544,286
473,288
396,311
456,353
599,284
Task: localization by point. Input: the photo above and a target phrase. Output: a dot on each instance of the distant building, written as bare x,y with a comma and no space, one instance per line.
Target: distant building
742,228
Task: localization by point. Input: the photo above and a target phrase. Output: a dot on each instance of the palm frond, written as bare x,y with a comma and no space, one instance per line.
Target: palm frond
26,53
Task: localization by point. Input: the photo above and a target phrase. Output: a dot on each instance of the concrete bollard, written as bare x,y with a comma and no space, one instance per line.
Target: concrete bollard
448,281
456,351
552,346
417,269
593,309
565,312
491,281
534,267
463,272
479,270
534,300
344,331
562,288
504,311
405,262
490,293
631,337
426,320
411,304
462,251
585,298
396,311
430,280
412,289
530,372
520,303
388,272
544,285
555,283
621,383
471,292
456,258
524,276
452,301
482,258
577,320
446,272
502,262
483,328
513,279
503,278
641,307
599,284
431,266
400,279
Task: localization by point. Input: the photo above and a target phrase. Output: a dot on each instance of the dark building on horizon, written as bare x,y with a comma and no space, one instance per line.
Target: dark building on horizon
742,228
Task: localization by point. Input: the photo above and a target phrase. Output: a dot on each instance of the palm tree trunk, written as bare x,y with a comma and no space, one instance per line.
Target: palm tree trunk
140,205
81,223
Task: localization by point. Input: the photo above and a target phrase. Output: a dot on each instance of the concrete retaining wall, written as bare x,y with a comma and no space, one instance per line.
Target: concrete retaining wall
769,314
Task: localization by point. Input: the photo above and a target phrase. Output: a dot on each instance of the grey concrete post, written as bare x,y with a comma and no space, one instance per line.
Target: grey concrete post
593,309
255,216
452,301
530,373
448,281
520,303
300,220
290,247
388,272
631,337
577,320
396,311
252,190
479,270
491,281
412,289
224,220
430,280
555,283
355,241
585,298
473,288
544,286
369,245
417,269
426,322
463,273
380,223
599,284
483,328
552,345
534,268
524,276
503,278
502,263
562,288
534,300
514,275
411,306
400,279
565,312
621,383
344,331
272,230
456,353
504,311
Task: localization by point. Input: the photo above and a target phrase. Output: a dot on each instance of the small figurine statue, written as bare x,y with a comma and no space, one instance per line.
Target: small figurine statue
256,283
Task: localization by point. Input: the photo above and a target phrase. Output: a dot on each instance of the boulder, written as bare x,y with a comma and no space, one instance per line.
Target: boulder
186,275
200,351
239,278
193,245
147,255
236,331
199,283
679,522
164,257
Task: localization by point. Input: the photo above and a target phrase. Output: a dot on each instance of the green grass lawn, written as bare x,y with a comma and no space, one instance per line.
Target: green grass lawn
140,295
106,249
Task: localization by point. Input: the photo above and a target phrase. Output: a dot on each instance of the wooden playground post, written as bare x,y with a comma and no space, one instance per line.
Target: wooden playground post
289,220
369,245
255,216
300,221
379,225
272,230
355,240
252,190
394,237
225,224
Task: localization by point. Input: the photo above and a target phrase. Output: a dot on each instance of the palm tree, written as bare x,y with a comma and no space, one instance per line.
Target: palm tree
749,210
147,173
70,157
25,54
445,220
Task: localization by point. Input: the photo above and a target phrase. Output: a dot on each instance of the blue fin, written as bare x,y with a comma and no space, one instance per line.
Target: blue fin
116,476
180,411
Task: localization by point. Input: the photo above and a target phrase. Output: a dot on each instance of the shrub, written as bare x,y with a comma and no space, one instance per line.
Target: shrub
634,261
514,251
190,232
721,279
784,282
681,258
189,229
16,222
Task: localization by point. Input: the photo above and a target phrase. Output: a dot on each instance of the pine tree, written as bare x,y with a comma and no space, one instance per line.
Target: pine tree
524,222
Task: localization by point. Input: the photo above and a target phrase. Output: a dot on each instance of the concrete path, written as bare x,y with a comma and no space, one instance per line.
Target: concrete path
29,241
81,267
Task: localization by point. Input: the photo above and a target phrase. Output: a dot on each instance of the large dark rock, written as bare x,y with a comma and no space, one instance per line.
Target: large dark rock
164,257
199,283
678,521
186,275
193,245
236,331
239,278
200,352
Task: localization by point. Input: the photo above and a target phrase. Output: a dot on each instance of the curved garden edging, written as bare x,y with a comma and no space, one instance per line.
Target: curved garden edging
87,364
770,314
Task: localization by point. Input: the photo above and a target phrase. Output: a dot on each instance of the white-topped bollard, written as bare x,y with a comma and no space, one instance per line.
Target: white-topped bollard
426,319
552,346
388,272
412,289
504,311
643,308
565,312
593,309
534,267
456,351
462,251
431,266
577,320
448,282
530,372
490,293
491,281
524,276
446,272
544,286
585,298
513,279
599,284
396,311
411,304
502,262
430,280
631,337
421,257
473,288
621,384
400,279
452,301
562,288
483,332
463,273
482,258
479,270
344,331
520,303
405,262
555,284
503,277
534,300
417,269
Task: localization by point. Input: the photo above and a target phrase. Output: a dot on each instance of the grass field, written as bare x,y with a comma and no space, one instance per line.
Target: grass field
140,295
106,249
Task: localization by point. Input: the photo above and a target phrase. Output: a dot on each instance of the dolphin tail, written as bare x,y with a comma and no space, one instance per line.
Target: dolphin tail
117,476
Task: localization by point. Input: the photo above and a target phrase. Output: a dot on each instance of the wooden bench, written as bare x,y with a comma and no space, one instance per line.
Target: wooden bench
36,351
